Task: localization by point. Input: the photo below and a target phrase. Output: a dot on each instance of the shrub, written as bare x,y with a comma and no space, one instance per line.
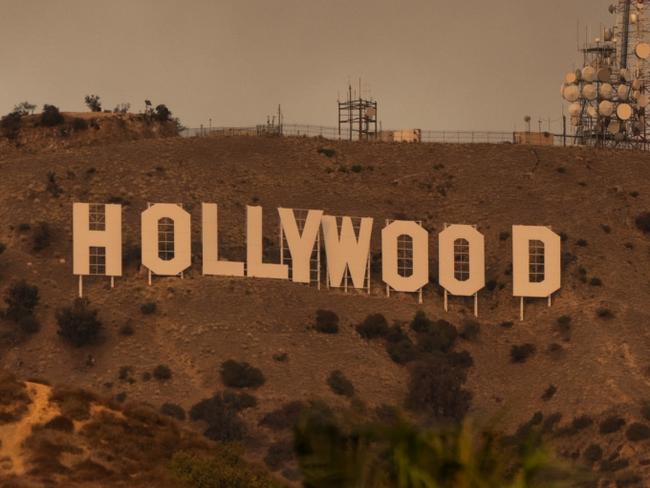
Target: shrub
148,308
327,151
436,388
21,299
593,453
285,417
3,247
29,324
434,336
373,326
241,375
162,372
78,324
173,410
549,393
470,330
643,222
278,454
582,243
60,422
637,432
53,187
551,421
127,330
581,423
604,313
51,116
519,354
507,324
93,103
79,124
281,357
42,236
162,113
611,424
10,125
327,322
402,351
596,281
339,384
224,469
396,334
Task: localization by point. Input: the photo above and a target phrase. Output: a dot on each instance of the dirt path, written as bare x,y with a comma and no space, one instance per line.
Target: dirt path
12,459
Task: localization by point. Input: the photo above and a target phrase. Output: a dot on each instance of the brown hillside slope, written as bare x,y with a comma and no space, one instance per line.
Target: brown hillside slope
203,321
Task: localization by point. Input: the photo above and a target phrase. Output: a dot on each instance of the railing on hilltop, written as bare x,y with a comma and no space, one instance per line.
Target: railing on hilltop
426,136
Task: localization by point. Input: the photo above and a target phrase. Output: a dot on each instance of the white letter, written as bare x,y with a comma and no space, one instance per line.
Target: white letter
175,254
110,237
473,248
255,266
346,251
300,247
420,242
210,232
530,241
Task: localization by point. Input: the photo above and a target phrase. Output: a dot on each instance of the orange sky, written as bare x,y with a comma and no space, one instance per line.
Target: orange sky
470,64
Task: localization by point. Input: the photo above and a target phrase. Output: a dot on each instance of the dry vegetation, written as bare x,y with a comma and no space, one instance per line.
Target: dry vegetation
256,352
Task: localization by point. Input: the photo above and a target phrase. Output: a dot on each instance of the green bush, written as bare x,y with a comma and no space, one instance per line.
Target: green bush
593,453
519,354
339,384
401,351
278,454
643,222
285,417
21,299
173,410
42,236
10,125
224,469
79,124
373,326
637,432
611,424
162,372
51,116
327,322
78,324
470,330
241,375
148,308
436,389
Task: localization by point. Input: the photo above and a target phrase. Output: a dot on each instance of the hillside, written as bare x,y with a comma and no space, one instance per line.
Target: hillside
599,365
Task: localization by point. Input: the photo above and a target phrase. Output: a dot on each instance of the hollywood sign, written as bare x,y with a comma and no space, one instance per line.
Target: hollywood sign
166,250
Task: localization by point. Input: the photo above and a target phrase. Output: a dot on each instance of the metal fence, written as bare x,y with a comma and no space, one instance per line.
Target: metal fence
332,133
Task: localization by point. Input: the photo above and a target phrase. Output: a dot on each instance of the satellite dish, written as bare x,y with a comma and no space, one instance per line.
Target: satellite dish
634,18
571,93
371,112
606,91
575,121
604,74
614,127
624,111
574,109
588,73
605,108
637,84
620,137
589,91
642,50
623,92
592,112
642,100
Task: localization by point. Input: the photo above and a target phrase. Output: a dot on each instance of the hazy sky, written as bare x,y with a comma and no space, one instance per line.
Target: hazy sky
457,64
